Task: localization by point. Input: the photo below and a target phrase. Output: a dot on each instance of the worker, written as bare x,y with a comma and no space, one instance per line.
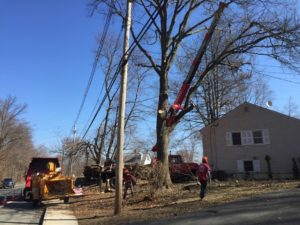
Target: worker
203,174
129,182
107,174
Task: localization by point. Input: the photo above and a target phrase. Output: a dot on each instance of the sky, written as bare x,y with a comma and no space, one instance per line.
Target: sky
46,55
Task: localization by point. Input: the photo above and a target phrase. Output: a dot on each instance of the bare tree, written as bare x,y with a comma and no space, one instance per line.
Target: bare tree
104,141
223,89
71,152
10,128
19,155
219,92
42,151
292,109
253,27
16,146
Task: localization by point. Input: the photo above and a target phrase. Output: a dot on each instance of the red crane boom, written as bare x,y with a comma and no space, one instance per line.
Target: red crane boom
177,105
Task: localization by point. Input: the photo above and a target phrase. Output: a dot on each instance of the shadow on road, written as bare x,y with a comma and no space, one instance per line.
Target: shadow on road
276,208
20,205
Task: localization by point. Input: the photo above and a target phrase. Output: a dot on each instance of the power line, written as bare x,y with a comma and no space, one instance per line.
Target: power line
143,31
282,79
277,66
286,73
94,67
98,100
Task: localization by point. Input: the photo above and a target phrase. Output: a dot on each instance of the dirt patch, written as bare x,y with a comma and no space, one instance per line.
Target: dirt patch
98,208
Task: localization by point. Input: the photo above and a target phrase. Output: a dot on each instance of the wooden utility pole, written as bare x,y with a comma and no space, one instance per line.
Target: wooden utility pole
120,163
72,152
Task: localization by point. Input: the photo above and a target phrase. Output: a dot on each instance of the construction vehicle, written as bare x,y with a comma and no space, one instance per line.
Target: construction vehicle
51,185
138,158
37,165
180,170
177,105
44,181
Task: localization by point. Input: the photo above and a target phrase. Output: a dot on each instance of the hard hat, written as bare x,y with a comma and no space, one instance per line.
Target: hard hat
204,159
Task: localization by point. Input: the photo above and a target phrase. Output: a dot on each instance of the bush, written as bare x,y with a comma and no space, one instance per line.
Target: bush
219,175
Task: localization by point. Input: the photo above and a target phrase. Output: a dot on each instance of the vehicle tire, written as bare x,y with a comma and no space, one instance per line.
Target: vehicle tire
27,195
36,202
175,177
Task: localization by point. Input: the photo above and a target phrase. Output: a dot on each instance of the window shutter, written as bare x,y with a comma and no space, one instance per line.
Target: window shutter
240,166
256,165
228,139
249,137
266,136
244,137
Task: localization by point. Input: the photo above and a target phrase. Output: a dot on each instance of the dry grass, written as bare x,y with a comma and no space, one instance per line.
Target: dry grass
97,208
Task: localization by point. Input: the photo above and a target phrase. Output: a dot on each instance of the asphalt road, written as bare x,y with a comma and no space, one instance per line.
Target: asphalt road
11,192
276,208
18,211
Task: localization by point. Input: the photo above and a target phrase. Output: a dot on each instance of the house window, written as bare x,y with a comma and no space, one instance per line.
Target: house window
248,166
258,137
248,137
236,138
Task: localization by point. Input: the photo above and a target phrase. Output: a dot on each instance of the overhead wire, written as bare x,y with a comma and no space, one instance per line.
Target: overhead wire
95,63
102,87
282,79
142,32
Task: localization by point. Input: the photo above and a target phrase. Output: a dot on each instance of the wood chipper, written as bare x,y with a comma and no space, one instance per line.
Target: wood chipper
51,185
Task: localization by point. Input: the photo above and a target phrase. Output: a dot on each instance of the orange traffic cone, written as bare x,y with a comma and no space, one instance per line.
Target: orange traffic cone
4,202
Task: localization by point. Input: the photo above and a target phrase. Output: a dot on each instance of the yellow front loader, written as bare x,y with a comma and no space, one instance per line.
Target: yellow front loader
51,186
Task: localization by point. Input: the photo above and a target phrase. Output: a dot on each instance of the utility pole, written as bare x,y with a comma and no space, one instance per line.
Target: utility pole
62,160
121,123
73,150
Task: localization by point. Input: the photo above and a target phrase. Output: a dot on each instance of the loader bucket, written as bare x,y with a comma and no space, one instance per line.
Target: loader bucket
59,186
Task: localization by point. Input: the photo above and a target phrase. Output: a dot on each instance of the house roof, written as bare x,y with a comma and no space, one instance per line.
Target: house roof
251,105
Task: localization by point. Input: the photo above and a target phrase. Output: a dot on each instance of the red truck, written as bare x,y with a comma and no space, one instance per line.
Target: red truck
180,170
37,165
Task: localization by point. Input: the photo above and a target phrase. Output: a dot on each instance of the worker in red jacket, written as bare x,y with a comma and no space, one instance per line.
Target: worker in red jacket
203,174
129,181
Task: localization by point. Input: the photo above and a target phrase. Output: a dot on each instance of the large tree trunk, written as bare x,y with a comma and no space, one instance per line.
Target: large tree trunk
162,132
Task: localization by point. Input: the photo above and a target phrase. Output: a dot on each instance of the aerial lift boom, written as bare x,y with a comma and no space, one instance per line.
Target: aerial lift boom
177,105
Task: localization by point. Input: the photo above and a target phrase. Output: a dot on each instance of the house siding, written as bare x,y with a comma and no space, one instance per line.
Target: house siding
284,139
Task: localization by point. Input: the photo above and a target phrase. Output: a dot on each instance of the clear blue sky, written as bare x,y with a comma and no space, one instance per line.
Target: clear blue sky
46,54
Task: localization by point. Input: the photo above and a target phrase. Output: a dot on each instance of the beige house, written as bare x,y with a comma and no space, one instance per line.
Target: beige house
241,142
